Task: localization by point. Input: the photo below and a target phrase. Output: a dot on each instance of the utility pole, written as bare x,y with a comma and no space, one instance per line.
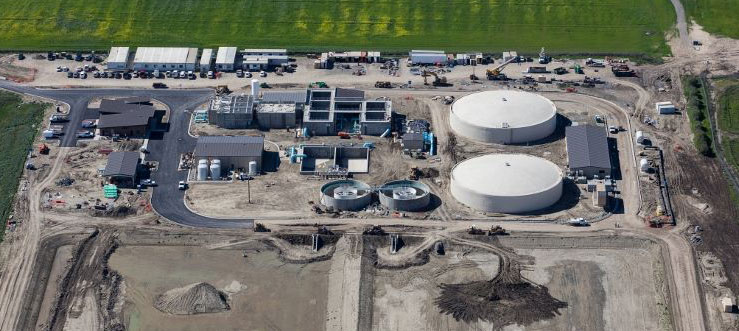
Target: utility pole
248,190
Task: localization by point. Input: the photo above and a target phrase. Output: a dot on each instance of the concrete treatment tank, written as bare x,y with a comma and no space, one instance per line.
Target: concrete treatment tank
253,168
507,183
203,169
503,117
405,195
215,169
346,194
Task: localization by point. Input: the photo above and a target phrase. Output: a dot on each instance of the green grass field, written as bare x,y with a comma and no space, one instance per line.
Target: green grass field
715,16
562,26
18,127
728,119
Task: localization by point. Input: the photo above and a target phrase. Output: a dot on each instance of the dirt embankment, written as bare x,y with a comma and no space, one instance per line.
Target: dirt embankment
88,274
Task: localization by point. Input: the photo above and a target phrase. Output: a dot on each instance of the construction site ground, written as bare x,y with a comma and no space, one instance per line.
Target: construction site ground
67,270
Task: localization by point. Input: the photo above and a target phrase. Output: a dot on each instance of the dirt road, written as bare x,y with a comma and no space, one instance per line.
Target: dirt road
17,270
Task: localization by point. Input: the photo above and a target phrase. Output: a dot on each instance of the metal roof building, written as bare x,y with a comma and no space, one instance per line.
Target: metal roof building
233,151
226,58
587,150
165,58
427,57
122,168
263,58
118,58
296,97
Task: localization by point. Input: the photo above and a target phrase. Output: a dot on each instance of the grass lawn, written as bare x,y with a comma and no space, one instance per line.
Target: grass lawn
18,127
562,26
728,119
715,16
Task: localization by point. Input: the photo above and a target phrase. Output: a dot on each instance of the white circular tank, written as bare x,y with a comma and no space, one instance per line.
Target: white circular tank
503,117
215,169
203,169
253,168
644,165
507,183
405,195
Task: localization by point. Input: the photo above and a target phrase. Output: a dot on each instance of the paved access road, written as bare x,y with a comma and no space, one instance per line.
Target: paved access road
165,147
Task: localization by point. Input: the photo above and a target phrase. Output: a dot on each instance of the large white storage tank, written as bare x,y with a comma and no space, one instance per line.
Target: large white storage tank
507,183
203,169
503,117
215,169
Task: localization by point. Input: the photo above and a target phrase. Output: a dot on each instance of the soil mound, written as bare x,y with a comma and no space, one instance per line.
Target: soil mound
198,298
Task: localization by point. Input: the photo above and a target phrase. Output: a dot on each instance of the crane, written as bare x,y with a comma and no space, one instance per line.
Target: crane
495,73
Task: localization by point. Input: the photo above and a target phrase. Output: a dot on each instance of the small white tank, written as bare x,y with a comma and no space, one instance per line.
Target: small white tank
255,88
639,137
345,193
404,193
203,169
215,169
253,168
644,165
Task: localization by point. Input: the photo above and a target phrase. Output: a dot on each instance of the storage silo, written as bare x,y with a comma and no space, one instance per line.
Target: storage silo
203,169
215,169
253,168
503,117
346,194
507,183
405,195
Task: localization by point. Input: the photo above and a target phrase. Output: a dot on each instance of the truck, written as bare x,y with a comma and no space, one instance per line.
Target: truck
58,118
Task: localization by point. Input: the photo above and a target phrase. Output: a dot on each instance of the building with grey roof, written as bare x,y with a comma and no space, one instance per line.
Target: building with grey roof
280,110
122,168
587,151
226,59
126,117
231,111
329,111
234,152
165,58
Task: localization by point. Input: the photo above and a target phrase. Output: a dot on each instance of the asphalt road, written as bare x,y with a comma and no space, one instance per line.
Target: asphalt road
165,148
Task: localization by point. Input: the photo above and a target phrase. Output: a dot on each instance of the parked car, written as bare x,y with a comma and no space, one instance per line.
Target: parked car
85,134
247,74
157,74
262,73
70,74
211,75
135,74
159,85
88,124
183,74
191,75
76,74
148,182
96,74
58,118
59,69
83,75
239,73
182,185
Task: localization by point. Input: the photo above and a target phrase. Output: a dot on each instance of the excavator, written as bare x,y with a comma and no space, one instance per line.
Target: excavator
496,74
438,81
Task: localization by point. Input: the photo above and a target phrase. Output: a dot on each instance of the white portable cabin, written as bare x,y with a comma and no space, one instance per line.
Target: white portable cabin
206,60
226,59
424,57
118,58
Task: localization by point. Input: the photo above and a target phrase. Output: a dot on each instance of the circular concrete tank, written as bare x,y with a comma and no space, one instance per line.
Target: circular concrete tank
503,117
405,195
346,194
507,183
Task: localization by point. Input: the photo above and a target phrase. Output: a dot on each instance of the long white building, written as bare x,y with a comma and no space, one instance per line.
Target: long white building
165,58
118,58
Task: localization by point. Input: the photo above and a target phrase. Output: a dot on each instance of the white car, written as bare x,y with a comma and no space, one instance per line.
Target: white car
262,73
183,74
182,185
